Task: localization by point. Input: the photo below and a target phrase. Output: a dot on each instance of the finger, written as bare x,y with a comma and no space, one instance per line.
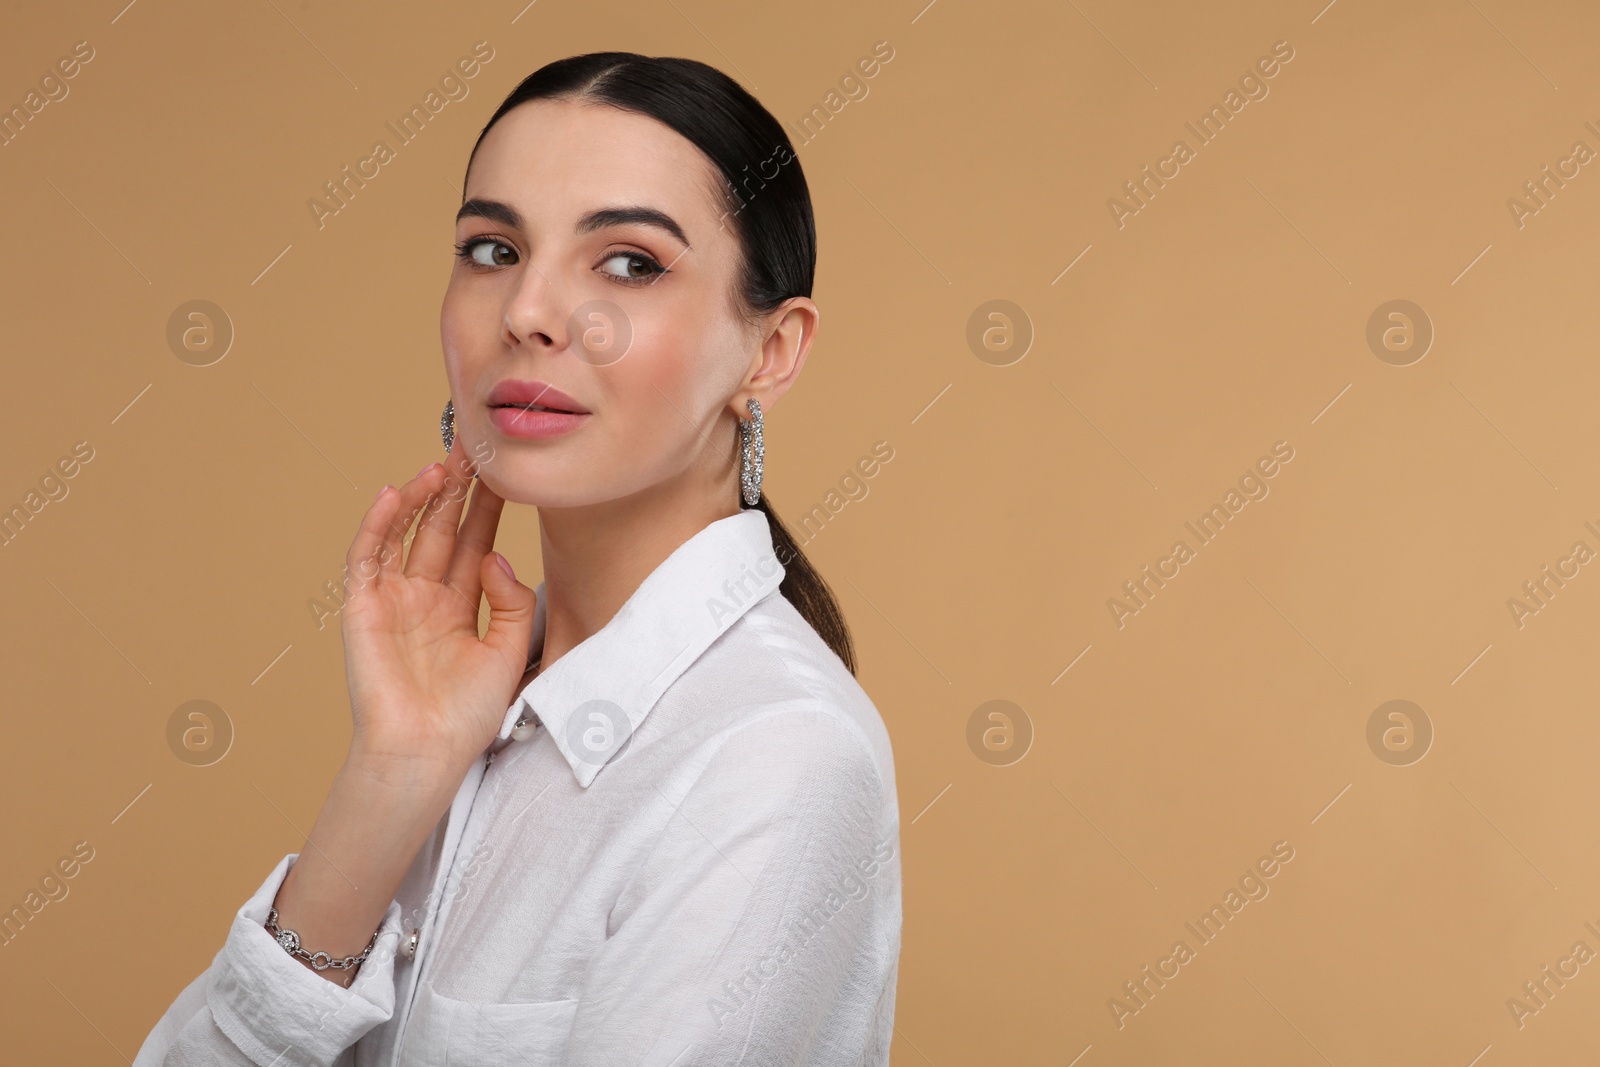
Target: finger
435,540
475,539
511,606
409,500
362,560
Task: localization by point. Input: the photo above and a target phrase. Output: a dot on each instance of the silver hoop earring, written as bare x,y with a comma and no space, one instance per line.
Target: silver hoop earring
752,450
447,425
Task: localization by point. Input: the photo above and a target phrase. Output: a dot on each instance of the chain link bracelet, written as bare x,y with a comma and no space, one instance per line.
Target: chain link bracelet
320,961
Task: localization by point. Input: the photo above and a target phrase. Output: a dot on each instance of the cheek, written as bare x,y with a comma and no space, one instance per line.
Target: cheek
468,334
455,335
671,376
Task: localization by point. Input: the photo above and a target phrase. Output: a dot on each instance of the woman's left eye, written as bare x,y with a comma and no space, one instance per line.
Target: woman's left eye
629,261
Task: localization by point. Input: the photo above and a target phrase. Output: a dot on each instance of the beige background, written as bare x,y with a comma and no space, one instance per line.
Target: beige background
1229,313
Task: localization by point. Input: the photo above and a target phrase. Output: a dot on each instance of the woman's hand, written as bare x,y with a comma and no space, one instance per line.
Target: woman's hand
426,693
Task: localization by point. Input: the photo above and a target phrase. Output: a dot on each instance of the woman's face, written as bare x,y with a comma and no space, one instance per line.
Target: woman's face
634,323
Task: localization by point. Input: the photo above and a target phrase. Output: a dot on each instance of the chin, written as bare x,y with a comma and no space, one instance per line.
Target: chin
511,488
535,486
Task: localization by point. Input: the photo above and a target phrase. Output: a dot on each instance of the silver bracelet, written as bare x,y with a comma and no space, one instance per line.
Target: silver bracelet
320,961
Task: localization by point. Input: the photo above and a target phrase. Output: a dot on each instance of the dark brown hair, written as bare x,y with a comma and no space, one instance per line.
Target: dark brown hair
772,221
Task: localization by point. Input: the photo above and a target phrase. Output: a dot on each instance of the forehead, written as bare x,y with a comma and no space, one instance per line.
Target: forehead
554,160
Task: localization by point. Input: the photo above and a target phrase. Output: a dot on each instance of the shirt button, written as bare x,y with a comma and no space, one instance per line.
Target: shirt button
525,728
410,945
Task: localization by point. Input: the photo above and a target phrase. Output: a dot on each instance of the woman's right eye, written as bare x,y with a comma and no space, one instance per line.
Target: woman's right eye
486,252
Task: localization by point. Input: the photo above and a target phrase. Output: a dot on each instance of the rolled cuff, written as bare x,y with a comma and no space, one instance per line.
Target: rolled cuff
279,1011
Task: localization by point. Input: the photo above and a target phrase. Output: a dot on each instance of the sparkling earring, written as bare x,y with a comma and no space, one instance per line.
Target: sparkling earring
752,450
447,425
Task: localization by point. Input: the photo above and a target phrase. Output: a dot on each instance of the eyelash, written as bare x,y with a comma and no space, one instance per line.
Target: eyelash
464,250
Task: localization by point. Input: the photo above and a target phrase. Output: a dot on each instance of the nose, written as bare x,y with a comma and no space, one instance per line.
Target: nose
534,314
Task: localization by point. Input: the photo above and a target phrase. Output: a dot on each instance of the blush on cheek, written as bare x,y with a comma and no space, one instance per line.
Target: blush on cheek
468,324
660,369
666,396
695,363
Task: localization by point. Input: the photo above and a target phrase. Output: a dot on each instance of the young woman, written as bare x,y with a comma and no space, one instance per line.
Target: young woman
649,817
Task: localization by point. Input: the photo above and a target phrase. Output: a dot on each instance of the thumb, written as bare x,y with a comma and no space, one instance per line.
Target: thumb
510,608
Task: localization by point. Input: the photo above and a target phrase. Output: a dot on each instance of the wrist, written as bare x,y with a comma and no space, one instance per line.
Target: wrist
375,819
379,772
319,961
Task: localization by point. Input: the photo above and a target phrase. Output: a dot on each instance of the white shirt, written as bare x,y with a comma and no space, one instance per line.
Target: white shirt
693,859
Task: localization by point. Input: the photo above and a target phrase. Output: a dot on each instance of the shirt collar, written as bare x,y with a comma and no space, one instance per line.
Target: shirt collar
592,699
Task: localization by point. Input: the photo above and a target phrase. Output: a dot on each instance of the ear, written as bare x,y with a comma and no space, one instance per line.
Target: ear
789,332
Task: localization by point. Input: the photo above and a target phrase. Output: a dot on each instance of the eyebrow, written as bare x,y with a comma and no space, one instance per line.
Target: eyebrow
599,219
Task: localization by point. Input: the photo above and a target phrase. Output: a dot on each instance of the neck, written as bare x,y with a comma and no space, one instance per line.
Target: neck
597,555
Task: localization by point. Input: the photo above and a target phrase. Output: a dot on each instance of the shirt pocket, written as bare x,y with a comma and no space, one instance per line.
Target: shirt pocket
445,1032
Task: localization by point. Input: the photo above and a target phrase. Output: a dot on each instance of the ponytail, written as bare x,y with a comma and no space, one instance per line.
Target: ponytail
803,587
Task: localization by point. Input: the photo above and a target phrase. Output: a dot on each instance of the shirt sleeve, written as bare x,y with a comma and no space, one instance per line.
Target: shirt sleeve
765,925
256,1004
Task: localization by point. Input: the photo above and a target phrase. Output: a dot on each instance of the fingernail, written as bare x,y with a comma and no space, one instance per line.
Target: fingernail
505,565
382,491
426,469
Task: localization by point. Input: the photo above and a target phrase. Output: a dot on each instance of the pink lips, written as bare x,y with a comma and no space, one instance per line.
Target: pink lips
513,412
523,393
